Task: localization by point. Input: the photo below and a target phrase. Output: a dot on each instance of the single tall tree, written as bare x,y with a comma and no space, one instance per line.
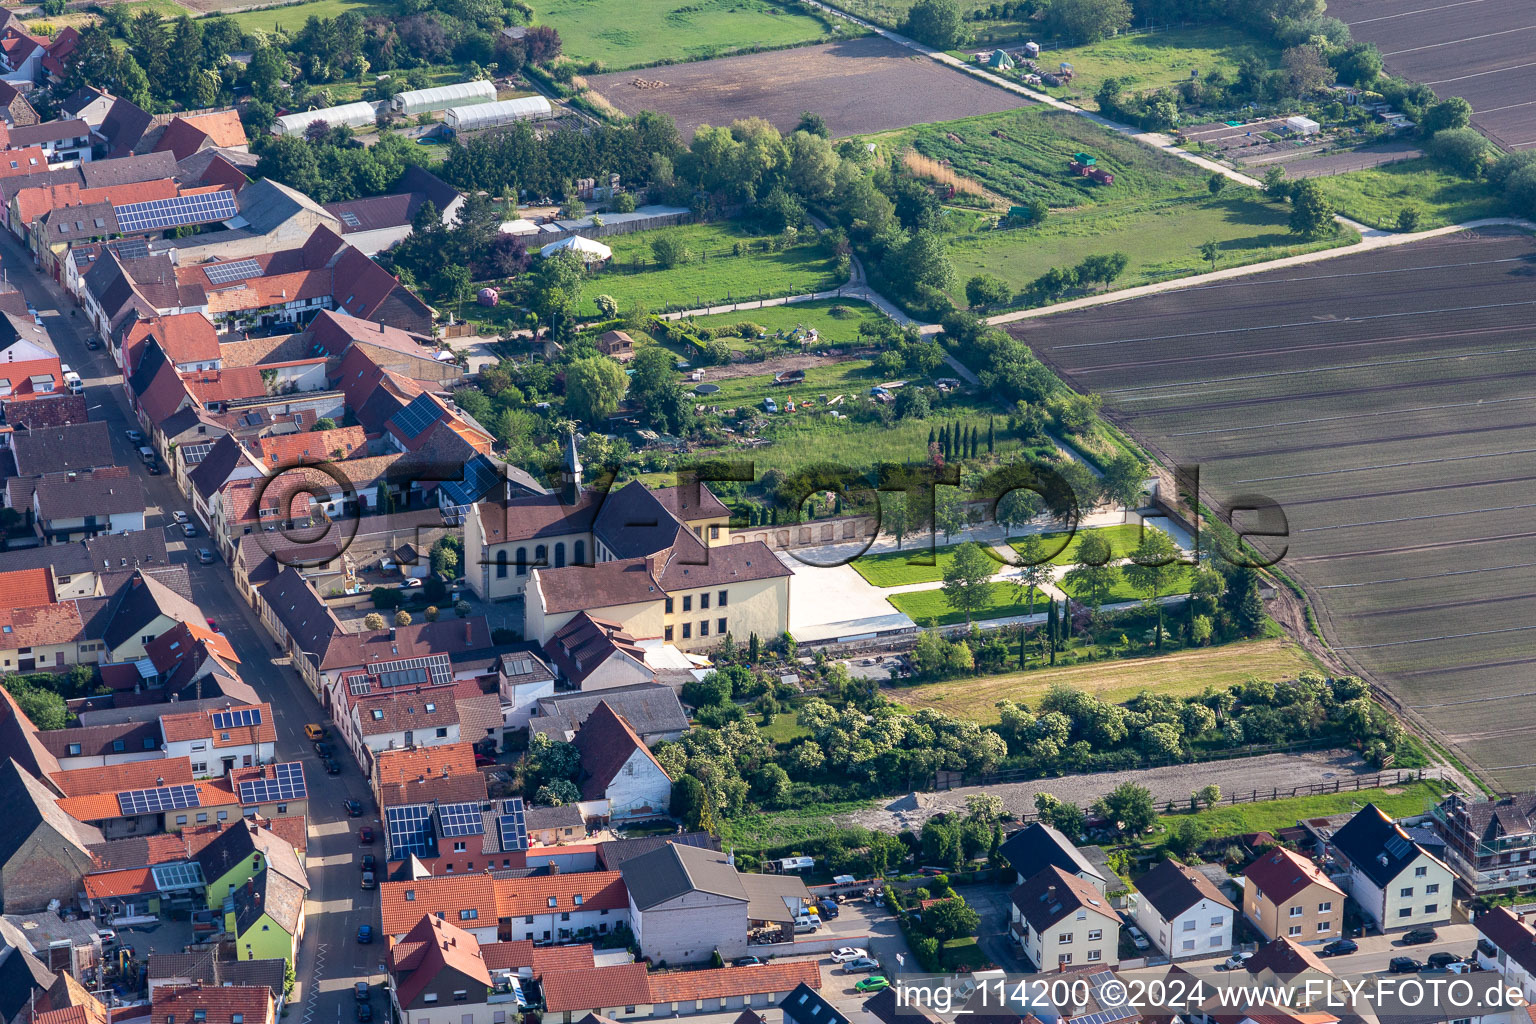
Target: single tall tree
966,579
1036,572
894,516
1153,568
1092,576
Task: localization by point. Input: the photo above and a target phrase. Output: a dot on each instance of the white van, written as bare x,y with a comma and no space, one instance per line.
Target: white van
73,382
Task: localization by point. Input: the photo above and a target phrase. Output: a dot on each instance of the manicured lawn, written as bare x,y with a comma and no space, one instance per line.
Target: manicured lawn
1122,541
640,32
964,952
1268,815
925,606
715,277
786,728
293,17
1123,591
1377,196
1163,241
1180,674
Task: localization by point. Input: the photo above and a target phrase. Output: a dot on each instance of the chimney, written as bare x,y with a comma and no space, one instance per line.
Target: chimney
468,631
554,868
650,564
730,858
1050,891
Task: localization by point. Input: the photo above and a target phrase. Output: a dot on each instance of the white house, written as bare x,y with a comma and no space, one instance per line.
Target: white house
1059,920
416,717
619,768
220,741
1394,880
522,679
1507,944
1183,912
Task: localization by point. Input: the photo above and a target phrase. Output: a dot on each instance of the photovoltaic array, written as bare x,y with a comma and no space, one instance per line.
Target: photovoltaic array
462,819
513,826
288,785
151,801
239,270
236,718
418,416
178,211
410,830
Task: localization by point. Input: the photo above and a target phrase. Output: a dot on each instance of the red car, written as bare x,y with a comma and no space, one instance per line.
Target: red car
481,760
365,835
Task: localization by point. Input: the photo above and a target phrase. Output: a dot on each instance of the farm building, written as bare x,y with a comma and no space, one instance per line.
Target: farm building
490,115
589,251
352,115
427,101
1302,125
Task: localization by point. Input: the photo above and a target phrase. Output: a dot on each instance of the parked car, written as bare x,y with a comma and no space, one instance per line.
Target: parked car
1236,962
322,749
828,908
367,862
1138,939
365,835
1441,959
873,983
846,953
179,516
483,761
410,584
314,730
746,961
360,991
1419,936
1404,965
365,934
368,882
214,626
205,556
863,965
354,809
188,530
1339,947
364,1013
332,767
135,436
153,469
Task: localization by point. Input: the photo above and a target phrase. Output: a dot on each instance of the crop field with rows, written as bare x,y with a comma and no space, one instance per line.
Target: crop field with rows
1386,402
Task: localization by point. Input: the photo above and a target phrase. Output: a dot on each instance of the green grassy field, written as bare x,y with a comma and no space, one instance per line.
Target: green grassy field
852,377
715,277
800,440
931,606
1162,241
1122,541
816,314
1377,196
641,32
1181,674
293,17
1268,815
1123,591
1147,61
895,568
786,728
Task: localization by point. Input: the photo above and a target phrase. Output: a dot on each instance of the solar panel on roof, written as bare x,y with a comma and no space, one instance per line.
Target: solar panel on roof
513,827
1397,846
480,478
224,273
152,801
350,219
131,248
236,717
287,785
420,414
463,819
194,454
410,830
158,214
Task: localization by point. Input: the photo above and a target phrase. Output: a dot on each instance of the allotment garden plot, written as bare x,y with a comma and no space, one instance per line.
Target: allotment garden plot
1478,50
1387,402
862,85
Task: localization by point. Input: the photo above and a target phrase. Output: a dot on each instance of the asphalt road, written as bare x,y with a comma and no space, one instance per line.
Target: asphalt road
330,959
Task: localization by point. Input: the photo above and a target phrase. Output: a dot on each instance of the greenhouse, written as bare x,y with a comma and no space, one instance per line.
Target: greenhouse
428,101
352,115
489,115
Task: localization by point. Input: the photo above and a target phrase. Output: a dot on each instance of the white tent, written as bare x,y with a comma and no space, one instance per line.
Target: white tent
353,115
586,248
489,115
461,94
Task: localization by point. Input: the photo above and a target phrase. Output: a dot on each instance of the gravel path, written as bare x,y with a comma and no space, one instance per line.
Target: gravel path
1175,782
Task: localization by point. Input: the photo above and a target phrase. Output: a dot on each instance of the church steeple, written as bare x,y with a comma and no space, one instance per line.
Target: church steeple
570,471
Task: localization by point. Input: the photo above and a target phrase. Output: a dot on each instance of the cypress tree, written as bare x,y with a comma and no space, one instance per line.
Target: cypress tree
944,440
932,437
975,440
1021,648
752,649
991,435
1050,630
775,515
1066,620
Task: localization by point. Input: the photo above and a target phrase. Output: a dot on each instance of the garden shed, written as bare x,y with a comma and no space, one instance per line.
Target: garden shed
491,115
351,115
1302,125
442,97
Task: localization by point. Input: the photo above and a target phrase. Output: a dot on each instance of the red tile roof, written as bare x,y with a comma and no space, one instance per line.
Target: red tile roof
219,1003
403,765
16,377
44,625
725,982
518,953
599,890
186,134
402,904
280,450
435,945
17,162
187,337
128,882
119,777
1282,874
227,385
606,743
595,988
199,725
26,588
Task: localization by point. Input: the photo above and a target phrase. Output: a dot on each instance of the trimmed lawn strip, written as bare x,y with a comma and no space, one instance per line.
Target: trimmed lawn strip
1378,195
638,33
925,606
1181,674
895,568
1269,815
1122,538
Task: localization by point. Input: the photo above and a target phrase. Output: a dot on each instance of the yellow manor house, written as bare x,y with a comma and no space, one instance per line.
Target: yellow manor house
658,563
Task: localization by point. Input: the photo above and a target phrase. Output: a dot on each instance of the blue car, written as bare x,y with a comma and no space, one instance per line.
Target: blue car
365,934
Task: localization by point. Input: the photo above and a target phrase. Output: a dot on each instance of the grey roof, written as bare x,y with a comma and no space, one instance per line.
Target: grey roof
128,170
138,549
564,816
19,738
140,601
266,205
207,968
52,449
614,852
437,191
76,495
1037,846
1172,888
309,621
214,471
21,976
804,1005
670,871
26,805
650,708
1375,846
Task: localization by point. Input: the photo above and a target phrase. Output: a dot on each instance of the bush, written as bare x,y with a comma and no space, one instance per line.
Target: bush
502,635
1462,150
385,597
402,618
373,620
461,609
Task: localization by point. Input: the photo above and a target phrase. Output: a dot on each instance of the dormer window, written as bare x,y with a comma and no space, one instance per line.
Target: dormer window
554,901
378,714
410,895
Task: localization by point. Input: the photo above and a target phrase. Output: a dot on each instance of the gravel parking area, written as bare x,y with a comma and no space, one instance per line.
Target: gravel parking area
1271,771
